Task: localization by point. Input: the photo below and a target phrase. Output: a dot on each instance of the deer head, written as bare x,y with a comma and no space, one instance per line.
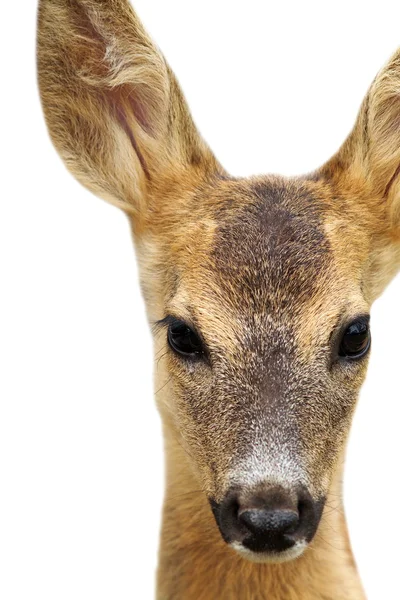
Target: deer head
258,290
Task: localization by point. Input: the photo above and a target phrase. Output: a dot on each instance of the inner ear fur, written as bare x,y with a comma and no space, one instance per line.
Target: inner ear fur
112,105
369,160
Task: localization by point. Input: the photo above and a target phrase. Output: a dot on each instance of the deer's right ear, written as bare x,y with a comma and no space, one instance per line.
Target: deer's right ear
113,107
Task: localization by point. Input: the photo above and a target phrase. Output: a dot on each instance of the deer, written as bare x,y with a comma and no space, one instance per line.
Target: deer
258,292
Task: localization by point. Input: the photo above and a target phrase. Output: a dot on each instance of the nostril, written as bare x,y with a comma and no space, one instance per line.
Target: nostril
273,522
305,506
302,508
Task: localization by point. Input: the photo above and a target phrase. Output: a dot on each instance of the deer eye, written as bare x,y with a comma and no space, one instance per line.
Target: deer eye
184,340
356,339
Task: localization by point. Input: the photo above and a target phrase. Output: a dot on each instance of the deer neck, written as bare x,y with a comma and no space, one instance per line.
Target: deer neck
195,563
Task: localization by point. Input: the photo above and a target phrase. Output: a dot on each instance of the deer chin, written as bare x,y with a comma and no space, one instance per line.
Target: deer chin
270,557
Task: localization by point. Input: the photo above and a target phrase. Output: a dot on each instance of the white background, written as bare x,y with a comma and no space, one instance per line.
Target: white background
274,87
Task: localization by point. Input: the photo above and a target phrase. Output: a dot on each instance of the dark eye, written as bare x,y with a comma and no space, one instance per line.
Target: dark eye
356,339
184,340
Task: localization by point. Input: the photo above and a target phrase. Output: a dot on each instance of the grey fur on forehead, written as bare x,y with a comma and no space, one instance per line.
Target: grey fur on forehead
272,249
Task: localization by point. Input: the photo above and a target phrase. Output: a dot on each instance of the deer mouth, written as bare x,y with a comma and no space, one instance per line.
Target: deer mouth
292,553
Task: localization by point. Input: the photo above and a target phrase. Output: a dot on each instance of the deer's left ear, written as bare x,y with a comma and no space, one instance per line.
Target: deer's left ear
366,174
370,157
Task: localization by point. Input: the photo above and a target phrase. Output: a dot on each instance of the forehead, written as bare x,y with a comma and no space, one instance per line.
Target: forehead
272,249
257,246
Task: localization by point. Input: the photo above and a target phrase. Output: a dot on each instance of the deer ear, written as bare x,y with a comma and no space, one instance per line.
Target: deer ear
370,157
113,107
366,173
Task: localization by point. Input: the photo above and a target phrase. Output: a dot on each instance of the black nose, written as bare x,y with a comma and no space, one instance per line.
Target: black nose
269,520
264,521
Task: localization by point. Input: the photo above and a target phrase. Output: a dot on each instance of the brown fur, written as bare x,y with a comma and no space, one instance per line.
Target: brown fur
267,269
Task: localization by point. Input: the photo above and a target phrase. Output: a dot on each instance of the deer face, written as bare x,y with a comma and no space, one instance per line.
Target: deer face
259,290
263,345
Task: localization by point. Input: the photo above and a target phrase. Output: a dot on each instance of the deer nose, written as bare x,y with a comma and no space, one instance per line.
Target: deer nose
269,521
261,521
